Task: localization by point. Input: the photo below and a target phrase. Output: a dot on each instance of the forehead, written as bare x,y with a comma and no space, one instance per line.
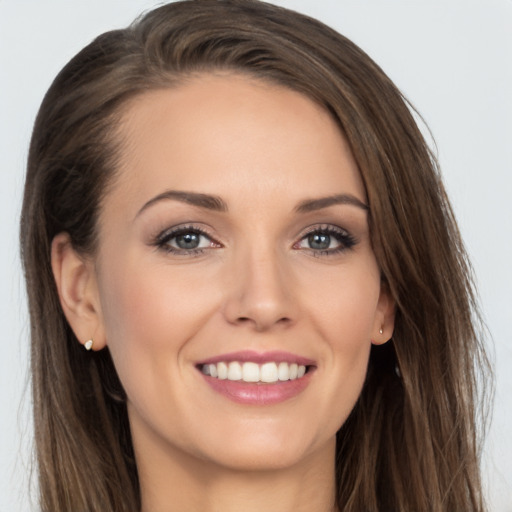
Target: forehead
232,135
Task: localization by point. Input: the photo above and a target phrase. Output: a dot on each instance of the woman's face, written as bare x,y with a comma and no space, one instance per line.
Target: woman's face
234,244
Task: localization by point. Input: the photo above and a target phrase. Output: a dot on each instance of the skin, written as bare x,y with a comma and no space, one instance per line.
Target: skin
256,285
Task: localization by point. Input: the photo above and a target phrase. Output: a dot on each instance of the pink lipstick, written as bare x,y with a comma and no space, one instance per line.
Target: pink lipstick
254,378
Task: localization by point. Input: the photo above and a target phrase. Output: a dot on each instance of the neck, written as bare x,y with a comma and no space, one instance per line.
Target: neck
196,485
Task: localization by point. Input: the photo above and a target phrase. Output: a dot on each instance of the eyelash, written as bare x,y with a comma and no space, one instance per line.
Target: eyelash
163,240
345,240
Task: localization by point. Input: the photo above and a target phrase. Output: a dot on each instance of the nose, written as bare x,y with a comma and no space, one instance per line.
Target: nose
260,292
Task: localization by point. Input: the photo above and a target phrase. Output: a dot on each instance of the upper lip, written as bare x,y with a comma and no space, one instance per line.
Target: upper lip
245,356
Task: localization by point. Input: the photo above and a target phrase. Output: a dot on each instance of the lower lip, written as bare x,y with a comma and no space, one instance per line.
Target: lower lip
258,393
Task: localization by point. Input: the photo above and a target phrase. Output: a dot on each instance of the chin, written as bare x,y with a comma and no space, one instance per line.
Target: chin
251,460
268,451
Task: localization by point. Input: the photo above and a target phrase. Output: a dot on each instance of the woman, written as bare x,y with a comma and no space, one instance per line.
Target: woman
231,207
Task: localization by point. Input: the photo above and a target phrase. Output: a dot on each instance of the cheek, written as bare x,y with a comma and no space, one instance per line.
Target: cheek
149,316
343,315
138,300
344,306
350,335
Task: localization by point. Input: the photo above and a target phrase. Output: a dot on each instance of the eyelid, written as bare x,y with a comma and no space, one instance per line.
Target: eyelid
346,240
323,227
160,241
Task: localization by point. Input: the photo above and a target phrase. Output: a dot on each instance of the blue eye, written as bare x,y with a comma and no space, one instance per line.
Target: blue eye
189,240
320,241
184,240
326,240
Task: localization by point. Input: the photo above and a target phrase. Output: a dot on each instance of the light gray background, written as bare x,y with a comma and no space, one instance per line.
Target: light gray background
452,59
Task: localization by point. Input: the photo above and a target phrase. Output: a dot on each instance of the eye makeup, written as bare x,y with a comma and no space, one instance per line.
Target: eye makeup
185,240
191,240
326,240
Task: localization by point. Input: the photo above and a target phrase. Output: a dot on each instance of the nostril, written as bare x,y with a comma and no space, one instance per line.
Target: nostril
284,321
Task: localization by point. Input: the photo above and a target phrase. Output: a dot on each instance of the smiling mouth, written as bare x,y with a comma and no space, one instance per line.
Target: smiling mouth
250,372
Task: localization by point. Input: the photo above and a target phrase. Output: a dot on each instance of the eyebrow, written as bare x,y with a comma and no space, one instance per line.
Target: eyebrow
207,201
310,205
215,203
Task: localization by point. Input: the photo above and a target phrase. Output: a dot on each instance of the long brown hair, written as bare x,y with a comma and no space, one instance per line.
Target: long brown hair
411,442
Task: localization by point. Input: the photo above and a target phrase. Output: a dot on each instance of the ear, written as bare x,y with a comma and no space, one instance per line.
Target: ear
384,317
75,277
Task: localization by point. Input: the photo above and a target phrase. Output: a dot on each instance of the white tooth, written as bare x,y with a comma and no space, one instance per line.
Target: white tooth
283,371
250,372
205,369
213,370
301,370
269,372
222,371
234,371
293,371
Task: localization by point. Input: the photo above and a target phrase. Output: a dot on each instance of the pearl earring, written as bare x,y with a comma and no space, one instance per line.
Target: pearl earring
88,344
